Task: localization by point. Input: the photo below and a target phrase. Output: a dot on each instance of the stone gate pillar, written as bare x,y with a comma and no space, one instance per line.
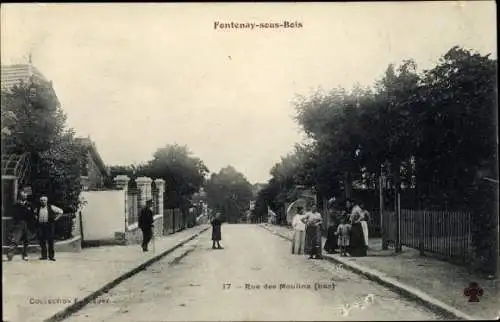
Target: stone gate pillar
144,186
160,190
121,183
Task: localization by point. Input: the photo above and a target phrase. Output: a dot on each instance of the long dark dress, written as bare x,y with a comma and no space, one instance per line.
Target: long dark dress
357,247
310,239
216,231
331,239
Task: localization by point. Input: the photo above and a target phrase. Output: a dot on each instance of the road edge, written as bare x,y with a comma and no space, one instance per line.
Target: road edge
66,312
400,288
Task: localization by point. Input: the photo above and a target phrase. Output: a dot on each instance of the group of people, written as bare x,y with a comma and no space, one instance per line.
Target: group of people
27,220
347,232
307,232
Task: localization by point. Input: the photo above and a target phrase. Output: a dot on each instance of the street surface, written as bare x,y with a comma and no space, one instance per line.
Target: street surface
192,284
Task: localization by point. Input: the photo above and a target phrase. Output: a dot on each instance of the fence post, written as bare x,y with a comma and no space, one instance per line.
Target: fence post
381,200
121,183
421,224
398,223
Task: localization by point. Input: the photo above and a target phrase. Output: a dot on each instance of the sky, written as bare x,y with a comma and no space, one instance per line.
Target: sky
136,77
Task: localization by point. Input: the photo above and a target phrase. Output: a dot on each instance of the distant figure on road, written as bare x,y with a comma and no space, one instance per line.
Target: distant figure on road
313,221
146,224
46,216
299,234
216,231
23,221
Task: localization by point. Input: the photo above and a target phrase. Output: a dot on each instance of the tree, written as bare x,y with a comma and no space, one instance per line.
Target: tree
230,193
183,173
39,129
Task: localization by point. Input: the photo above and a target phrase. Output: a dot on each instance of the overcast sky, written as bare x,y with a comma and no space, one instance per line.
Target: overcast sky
138,77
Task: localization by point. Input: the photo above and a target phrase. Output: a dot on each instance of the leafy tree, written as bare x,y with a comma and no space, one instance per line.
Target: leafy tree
39,129
183,173
230,193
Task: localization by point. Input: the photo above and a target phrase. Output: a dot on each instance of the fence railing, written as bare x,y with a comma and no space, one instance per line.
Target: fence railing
64,229
133,208
443,233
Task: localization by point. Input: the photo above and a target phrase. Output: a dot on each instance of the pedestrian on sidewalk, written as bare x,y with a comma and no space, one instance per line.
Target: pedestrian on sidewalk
357,246
23,222
216,231
342,233
46,216
145,223
365,219
313,221
299,234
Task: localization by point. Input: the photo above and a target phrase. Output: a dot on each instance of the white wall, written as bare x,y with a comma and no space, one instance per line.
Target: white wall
103,214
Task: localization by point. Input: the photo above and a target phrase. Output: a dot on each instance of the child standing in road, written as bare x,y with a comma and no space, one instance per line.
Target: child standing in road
343,231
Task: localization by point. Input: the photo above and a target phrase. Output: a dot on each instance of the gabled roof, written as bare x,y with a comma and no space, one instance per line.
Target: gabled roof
87,144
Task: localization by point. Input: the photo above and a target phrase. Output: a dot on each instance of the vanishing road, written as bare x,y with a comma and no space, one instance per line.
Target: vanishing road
196,283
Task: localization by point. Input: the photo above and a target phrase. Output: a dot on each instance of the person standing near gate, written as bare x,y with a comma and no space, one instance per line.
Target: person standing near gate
23,220
146,224
46,216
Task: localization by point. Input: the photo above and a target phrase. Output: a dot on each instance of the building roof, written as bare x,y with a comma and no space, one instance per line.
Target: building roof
15,74
91,148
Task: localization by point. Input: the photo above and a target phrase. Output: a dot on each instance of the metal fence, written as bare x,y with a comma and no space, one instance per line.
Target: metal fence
444,233
133,207
64,228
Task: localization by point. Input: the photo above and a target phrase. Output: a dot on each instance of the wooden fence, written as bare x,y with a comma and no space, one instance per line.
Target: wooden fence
173,221
442,233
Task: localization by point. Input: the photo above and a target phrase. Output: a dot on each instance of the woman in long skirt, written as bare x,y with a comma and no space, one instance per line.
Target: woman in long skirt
331,243
216,231
357,247
313,222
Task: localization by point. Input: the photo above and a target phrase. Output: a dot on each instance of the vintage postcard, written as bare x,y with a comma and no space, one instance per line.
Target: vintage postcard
249,161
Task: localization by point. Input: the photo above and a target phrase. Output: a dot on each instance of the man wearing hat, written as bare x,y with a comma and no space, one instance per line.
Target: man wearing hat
22,220
145,223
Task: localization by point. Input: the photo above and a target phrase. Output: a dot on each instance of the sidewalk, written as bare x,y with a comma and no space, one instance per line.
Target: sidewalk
74,276
434,282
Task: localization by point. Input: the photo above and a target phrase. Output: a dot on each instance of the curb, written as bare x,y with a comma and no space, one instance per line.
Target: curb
108,286
400,288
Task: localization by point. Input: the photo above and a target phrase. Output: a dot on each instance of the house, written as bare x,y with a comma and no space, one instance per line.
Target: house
20,73
95,175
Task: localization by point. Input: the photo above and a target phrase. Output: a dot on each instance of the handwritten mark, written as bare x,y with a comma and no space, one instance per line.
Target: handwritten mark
368,300
473,292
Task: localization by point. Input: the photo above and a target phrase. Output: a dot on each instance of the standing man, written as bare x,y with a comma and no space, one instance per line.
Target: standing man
146,224
299,234
23,220
46,216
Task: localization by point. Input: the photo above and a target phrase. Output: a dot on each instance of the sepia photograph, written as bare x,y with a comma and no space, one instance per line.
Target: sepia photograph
287,161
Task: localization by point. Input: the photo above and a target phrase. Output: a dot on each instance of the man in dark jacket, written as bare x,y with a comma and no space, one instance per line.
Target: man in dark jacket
146,224
46,216
22,223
